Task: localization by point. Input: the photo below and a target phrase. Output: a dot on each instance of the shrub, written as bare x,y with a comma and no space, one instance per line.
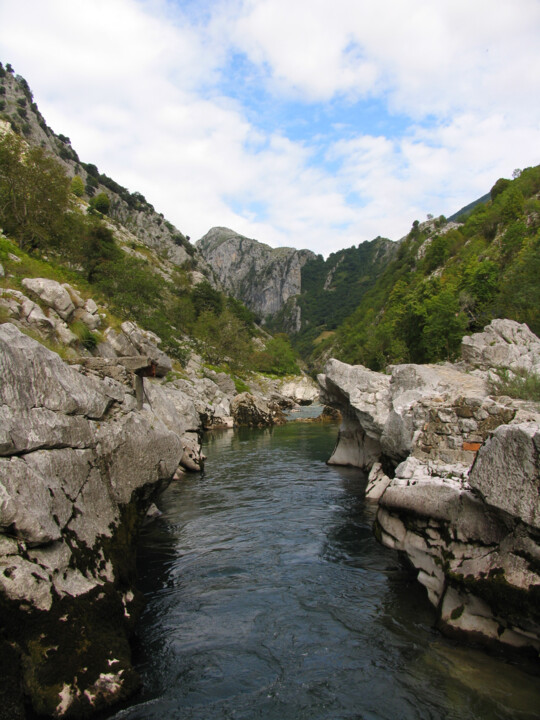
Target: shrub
87,338
517,384
34,193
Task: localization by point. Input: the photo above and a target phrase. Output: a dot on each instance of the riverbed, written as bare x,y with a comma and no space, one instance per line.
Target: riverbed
269,597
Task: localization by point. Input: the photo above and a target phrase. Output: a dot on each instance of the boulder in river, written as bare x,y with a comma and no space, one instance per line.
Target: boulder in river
252,411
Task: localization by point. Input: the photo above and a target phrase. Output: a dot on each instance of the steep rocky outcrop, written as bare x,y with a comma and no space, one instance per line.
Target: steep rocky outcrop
83,454
456,472
263,278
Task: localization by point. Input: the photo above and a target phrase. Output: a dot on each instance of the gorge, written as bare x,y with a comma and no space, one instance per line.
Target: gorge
82,465
120,347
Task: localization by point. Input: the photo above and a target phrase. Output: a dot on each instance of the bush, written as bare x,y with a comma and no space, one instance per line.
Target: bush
87,338
34,193
77,186
517,384
278,357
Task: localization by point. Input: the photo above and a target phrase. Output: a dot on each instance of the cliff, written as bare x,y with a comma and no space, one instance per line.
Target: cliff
263,278
455,469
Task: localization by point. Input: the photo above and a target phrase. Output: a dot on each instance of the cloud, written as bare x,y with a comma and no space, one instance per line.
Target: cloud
254,113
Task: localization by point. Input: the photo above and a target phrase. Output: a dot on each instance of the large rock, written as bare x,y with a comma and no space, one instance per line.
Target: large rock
503,343
79,467
53,294
301,390
251,411
512,451
456,473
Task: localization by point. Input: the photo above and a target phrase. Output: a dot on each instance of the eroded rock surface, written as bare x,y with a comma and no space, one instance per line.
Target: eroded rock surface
456,473
79,466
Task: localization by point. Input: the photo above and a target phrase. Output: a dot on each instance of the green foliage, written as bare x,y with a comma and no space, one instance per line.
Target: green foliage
206,299
101,203
87,338
77,186
100,252
333,288
34,193
278,357
223,338
420,307
517,384
499,187
240,385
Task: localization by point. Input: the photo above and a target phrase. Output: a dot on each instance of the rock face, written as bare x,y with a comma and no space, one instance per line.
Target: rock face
261,277
64,306
79,466
456,473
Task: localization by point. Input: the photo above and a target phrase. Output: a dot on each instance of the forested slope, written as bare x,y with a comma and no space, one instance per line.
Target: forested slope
449,279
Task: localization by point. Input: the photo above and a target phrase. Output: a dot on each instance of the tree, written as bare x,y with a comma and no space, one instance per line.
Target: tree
99,251
444,326
277,357
34,193
77,186
206,299
499,187
101,203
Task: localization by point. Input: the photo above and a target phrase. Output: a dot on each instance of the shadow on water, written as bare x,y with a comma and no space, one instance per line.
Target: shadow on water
268,597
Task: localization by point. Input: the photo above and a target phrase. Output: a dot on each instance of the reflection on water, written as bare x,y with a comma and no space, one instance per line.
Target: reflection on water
268,597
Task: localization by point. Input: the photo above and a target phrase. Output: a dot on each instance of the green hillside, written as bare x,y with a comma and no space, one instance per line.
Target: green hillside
332,289
447,280
61,219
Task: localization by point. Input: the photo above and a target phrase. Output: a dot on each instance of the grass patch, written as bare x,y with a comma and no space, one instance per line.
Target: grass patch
87,338
240,385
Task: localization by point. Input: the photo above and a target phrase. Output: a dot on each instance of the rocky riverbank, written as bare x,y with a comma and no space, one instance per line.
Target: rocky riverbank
86,445
455,468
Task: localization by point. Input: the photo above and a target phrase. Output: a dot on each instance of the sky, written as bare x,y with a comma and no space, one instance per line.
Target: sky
307,123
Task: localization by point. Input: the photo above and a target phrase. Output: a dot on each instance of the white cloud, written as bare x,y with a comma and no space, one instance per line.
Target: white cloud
138,87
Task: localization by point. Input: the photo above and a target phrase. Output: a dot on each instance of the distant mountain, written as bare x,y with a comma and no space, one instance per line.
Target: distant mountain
263,278
332,289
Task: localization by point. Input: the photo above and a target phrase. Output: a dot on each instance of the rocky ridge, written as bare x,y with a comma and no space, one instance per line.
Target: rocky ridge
131,213
79,466
455,470
263,278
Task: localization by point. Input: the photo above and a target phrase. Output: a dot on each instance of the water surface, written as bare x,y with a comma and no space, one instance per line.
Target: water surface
268,597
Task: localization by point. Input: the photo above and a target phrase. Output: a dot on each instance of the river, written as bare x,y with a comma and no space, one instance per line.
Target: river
268,597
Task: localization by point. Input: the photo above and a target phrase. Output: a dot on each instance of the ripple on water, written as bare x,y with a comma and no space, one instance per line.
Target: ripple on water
268,597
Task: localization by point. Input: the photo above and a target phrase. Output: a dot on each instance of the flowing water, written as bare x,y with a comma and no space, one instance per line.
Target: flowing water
268,597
